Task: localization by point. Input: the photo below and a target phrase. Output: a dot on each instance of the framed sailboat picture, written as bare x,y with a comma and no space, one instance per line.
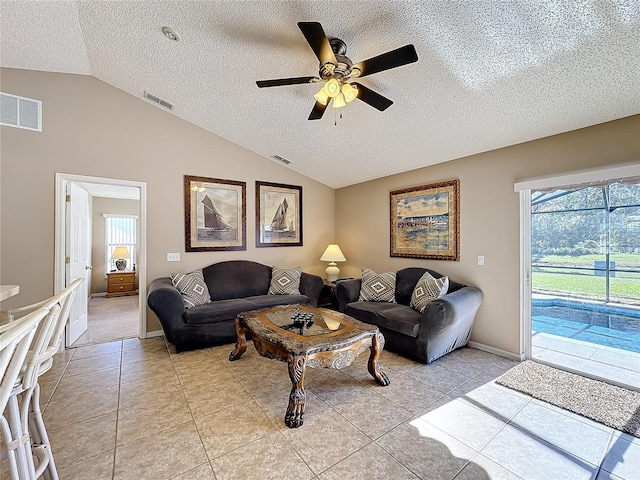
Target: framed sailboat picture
215,214
278,215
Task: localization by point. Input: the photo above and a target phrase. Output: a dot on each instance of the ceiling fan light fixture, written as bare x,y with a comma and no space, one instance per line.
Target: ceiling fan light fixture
322,97
332,88
339,101
350,92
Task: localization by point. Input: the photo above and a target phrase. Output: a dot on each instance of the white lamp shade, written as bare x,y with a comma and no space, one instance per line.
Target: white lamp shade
333,254
350,93
338,101
332,87
322,97
120,252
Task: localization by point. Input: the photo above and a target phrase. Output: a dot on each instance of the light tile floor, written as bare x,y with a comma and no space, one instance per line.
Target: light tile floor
133,410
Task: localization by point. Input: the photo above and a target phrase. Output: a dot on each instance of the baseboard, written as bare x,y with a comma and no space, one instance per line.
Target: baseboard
155,333
496,351
102,294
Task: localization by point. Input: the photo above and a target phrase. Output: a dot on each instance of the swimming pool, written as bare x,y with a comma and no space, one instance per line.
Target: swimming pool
612,326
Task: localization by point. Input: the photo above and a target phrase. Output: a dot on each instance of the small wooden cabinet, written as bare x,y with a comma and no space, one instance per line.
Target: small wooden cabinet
120,284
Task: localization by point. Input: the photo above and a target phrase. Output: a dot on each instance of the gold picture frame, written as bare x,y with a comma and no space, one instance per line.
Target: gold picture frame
425,221
278,215
215,214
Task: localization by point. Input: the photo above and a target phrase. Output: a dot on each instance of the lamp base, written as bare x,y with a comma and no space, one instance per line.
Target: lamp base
333,272
121,264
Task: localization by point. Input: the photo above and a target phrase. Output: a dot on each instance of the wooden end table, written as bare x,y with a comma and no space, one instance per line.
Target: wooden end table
333,340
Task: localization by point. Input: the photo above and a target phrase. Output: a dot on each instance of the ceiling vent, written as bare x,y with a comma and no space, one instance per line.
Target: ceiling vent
159,101
20,112
280,159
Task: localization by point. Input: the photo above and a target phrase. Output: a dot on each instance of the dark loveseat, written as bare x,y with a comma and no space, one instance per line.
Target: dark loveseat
444,325
234,286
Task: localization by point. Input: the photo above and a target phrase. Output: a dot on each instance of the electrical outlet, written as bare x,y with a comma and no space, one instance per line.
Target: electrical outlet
480,259
173,257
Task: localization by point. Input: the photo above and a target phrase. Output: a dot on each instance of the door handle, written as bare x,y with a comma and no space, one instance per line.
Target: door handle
88,267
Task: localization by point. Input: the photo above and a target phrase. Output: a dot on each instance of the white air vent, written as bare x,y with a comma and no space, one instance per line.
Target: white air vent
280,159
20,112
159,101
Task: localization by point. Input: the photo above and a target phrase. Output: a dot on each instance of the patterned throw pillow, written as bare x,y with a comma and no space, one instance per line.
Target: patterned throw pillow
285,281
378,287
427,290
192,288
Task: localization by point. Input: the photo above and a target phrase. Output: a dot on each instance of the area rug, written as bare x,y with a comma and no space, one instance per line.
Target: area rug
607,404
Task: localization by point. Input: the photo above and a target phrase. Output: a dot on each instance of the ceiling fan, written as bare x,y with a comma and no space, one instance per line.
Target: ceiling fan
337,71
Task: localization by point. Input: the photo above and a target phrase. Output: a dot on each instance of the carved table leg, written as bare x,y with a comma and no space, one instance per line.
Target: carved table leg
241,342
377,342
294,417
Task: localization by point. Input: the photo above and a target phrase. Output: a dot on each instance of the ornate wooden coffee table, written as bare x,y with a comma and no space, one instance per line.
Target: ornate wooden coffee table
331,340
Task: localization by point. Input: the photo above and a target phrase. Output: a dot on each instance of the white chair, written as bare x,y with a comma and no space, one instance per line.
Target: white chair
38,361
15,340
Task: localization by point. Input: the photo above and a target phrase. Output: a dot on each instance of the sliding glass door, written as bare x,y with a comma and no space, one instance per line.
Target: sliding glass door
583,278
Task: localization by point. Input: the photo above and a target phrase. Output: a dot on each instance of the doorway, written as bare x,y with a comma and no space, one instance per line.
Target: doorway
581,282
129,309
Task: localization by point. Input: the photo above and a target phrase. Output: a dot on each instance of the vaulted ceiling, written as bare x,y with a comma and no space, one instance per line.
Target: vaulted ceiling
490,74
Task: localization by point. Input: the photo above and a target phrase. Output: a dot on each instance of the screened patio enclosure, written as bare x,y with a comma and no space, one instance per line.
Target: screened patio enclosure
585,277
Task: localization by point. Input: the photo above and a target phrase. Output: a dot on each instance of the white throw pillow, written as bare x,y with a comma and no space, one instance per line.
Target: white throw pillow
427,290
192,287
377,287
285,281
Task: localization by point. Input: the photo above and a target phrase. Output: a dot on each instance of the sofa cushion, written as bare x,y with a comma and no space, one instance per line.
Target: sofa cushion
192,288
217,311
285,281
392,316
237,279
427,290
266,301
377,287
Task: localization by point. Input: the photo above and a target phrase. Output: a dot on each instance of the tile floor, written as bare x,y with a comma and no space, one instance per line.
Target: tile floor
133,410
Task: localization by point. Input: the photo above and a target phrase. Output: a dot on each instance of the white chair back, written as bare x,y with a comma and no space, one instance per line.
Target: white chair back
15,339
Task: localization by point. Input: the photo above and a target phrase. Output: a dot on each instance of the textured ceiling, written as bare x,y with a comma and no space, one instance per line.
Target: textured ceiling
489,74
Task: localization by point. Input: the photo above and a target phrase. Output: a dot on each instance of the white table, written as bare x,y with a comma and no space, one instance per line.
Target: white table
7,291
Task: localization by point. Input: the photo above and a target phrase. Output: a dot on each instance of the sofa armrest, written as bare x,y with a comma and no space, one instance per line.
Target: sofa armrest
446,322
311,286
166,302
347,291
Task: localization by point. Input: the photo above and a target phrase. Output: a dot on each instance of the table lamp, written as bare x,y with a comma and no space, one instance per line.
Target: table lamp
333,254
119,255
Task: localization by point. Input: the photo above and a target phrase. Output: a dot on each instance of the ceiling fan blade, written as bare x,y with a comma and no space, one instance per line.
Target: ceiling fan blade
372,98
395,58
285,81
318,111
318,42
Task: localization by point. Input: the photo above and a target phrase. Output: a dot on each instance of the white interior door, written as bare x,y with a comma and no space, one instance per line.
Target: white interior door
77,252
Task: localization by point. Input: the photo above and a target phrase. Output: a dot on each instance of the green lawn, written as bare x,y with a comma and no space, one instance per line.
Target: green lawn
622,260
587,284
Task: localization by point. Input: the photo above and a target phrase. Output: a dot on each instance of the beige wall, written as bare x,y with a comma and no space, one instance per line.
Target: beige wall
91,128
101,205
489,215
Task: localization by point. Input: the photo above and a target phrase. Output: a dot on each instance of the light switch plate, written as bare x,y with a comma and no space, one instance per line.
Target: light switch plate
173,257
480,259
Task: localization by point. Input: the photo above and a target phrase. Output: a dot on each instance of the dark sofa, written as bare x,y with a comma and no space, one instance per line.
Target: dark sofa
444,325
234,286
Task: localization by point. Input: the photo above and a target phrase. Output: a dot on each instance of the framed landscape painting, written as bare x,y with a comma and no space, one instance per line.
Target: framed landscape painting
215,214
425,221
278,215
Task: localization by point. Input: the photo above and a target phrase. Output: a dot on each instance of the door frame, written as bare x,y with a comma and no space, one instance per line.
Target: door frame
524,189
61,182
